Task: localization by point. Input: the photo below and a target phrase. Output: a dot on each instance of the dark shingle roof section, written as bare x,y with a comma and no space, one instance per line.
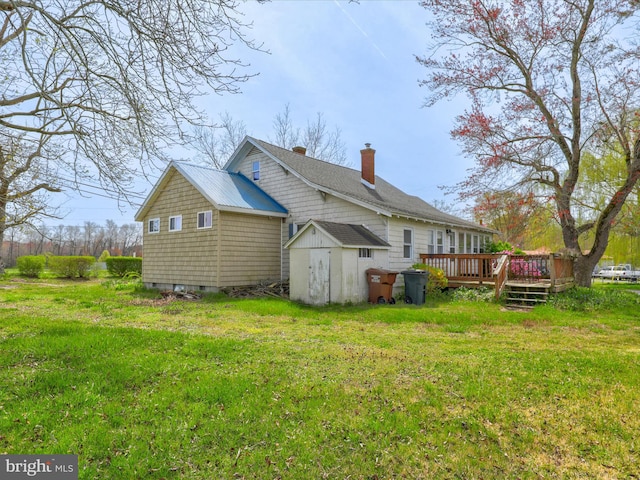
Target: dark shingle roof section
353,235
347,181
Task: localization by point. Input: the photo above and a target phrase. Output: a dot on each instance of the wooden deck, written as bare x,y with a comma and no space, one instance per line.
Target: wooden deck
498,271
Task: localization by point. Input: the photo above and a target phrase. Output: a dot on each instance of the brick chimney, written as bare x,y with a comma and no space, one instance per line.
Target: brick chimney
368,166
300,150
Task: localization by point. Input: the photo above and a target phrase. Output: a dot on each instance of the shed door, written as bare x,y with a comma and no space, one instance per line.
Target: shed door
319,289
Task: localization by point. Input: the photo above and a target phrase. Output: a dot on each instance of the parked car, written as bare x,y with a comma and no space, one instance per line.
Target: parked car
619,272
606,272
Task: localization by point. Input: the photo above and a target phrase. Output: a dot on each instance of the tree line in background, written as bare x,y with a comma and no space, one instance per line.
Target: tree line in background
90,239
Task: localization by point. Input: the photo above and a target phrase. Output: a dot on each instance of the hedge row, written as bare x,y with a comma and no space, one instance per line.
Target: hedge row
76,266
31,265
121,266
72,266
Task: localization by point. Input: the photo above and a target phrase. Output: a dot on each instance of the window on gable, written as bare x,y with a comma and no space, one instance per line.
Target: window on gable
205,219
154,225
175,223
408,243
365,253
255,171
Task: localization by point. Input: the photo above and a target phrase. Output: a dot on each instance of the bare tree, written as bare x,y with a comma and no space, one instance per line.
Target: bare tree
111,235
323,143
216,144
109,84
25,179
548,82
285,134
320,142
130,236
58,239
73,237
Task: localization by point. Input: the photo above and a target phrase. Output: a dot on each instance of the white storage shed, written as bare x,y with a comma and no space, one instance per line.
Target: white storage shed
328,261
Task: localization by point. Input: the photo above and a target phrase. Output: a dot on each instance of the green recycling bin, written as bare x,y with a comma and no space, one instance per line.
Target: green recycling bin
415,286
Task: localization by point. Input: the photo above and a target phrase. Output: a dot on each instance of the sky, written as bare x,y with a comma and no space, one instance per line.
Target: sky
355,64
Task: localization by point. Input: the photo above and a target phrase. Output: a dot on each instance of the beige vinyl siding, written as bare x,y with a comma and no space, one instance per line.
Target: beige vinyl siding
184,257
250,249
305,203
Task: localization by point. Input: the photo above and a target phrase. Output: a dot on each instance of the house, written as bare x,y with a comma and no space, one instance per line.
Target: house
205,229
262,206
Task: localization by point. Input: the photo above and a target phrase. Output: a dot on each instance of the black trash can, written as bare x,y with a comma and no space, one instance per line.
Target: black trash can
415,286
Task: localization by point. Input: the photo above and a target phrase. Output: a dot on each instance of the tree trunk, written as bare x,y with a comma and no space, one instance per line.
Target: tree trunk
583,269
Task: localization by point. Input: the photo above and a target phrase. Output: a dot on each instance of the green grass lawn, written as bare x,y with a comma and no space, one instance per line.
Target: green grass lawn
144,387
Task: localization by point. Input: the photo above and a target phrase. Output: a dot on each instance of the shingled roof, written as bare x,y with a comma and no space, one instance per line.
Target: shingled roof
346,183
351,235
344,234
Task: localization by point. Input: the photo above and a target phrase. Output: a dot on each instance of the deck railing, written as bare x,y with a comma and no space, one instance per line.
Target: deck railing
495,269
500,272
463,267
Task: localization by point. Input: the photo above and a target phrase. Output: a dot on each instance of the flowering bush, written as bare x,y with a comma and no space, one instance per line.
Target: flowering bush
437,280
521,267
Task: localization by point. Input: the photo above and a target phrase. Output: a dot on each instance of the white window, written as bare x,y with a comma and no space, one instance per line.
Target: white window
154,225
484,248
408,243
431,244
175,223
452,241
365,253
205,219
476,244
294,228
439,241
255,171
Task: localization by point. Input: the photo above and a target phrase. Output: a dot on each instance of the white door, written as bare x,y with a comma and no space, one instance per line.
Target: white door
319,263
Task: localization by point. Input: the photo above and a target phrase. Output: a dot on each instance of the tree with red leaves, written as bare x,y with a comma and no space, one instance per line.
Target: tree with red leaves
549,81
508,213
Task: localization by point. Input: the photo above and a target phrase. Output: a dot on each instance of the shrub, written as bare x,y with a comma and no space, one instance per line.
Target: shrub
504,247
104,255
121,266
128,281
72,266
31,265
473,294
437,280
583,299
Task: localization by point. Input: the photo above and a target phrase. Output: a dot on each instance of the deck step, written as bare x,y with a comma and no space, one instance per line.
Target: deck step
526,295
